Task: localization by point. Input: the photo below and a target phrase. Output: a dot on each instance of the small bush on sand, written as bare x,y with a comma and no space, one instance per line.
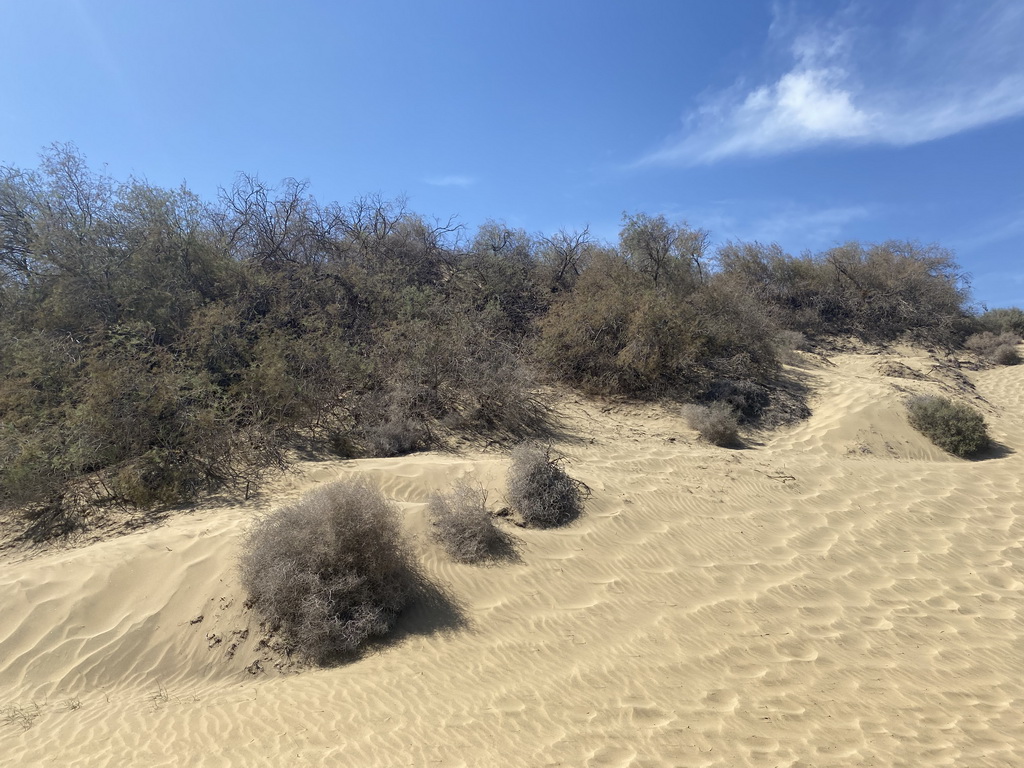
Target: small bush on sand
717,423
331,571
1001,349
540,491
464,527
1006,354
954,427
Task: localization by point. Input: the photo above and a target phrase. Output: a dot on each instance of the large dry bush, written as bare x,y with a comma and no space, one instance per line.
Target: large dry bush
878,292
954,427
463,525
447,368
332,570
540,491
619,333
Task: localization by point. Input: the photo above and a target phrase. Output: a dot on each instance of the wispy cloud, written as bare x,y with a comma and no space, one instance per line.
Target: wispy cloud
852,79
450,181
790,224
998,230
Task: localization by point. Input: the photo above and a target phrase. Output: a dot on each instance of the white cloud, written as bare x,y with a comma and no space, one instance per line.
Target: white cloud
947,69
451,181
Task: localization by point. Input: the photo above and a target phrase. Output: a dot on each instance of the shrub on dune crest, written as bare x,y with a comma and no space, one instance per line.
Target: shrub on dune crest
332,570
954,427
540,491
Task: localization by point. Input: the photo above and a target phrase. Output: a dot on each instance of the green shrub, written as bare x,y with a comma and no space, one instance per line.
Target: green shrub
717,423
954,427
464,527
540,491
332,570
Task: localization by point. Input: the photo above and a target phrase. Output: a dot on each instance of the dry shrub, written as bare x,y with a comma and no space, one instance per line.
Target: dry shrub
540,491
954,427
464,527
1003,320
717,423
1000,349
332,570
877,292
618,333
1006,354
788,343
397,436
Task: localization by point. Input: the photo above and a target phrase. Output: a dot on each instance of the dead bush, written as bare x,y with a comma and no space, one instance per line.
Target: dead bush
540,491
464,527
332,570
717,423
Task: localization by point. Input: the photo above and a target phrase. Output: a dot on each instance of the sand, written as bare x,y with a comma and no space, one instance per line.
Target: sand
839,593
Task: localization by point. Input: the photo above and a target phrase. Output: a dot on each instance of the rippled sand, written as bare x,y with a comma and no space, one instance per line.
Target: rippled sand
840,593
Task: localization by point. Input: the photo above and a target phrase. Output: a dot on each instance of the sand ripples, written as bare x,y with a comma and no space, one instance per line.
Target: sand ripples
844,595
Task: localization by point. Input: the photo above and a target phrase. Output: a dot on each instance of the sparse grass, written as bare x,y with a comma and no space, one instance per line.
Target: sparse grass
23,717
159,697
464,527
954,427
331,570
717,423
540,491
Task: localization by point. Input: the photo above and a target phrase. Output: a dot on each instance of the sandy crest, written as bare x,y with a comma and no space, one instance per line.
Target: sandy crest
840,593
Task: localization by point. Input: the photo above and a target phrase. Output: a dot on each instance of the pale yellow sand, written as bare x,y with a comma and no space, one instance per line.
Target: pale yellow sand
841,593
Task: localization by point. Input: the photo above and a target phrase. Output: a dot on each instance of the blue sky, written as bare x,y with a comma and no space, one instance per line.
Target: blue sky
804,123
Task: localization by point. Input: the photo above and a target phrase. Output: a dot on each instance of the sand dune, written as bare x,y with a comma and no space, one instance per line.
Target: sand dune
840,593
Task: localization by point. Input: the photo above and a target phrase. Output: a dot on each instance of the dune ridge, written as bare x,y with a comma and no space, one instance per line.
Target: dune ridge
839,593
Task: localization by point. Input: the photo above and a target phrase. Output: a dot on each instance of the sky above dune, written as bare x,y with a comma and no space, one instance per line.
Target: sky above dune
805,123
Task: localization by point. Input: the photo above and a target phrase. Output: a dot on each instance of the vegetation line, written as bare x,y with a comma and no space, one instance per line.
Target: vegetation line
155,347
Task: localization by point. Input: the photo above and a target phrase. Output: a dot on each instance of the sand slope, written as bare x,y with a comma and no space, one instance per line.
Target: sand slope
840,593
